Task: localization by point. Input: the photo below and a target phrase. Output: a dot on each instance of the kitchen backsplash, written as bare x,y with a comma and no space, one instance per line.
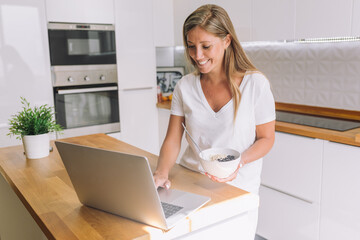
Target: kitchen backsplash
324,74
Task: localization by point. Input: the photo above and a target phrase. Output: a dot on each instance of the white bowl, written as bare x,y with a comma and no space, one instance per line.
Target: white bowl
216,168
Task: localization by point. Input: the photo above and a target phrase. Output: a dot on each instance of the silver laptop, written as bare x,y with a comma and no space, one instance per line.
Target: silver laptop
123,184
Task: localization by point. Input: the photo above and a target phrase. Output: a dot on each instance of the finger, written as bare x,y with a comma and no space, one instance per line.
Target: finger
167,184
157,184
216,179
227,179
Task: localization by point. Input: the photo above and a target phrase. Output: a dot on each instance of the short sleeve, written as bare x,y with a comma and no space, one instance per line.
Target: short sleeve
264,103
177,101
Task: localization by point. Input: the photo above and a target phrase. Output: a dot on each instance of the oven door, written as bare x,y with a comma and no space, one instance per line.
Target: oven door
74,44
87,106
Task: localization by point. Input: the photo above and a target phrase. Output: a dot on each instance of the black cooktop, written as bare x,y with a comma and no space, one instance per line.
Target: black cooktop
316,121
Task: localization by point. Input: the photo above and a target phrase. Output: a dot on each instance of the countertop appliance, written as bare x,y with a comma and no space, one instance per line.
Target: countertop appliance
84,77
167,77
317,121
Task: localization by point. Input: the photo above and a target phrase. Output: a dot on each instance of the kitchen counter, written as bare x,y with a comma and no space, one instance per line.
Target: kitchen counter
350,137
44,188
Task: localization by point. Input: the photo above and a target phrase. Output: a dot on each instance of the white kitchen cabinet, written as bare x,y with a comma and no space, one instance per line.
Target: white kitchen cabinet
164,116
80,11
294,166
182,9
24,60
273,20
263,20
323,18
283,217
139,119
355,24
15,220
239,12
135,50
135,55
340,206
163,23
291,188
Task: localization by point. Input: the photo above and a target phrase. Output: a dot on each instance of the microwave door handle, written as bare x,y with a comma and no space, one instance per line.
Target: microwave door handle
86,90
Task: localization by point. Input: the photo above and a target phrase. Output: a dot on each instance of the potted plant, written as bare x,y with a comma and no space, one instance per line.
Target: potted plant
32,126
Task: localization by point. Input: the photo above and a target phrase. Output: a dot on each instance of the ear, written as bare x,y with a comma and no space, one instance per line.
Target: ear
227,41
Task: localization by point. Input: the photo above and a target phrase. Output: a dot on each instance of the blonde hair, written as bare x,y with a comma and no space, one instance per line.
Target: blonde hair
215,20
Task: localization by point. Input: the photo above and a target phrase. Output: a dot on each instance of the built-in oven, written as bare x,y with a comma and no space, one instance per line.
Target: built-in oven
84,75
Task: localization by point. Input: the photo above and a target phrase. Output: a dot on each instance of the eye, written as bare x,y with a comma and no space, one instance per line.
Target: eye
206,47
191,46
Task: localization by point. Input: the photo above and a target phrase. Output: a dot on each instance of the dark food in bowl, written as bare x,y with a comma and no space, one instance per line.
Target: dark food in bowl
226,159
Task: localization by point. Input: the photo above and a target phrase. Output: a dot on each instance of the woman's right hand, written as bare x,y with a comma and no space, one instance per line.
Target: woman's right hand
161,180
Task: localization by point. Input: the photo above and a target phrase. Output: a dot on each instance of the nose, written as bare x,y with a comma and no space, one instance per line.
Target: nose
196,53
199,53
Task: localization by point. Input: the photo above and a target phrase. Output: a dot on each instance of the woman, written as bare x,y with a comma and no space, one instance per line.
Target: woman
226,102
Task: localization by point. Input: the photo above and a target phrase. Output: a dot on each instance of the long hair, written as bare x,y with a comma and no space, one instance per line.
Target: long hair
214,19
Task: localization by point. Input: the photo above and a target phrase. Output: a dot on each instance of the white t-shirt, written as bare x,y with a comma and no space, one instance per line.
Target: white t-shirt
217,129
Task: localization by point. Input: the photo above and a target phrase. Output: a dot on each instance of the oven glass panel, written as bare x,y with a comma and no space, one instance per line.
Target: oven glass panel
79,47
83,47
87,109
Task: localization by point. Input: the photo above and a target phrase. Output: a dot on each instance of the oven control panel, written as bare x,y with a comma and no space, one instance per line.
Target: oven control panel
83,75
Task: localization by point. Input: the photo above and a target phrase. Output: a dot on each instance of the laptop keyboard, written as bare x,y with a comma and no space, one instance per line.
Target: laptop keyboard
170,209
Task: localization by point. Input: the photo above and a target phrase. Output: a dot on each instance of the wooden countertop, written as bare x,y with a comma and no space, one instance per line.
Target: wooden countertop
45,189
350,137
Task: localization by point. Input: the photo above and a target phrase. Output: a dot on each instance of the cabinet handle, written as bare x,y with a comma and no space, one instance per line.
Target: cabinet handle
136,88
87,90
291,195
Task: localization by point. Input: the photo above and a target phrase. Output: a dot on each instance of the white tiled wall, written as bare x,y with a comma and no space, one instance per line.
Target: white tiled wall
316,74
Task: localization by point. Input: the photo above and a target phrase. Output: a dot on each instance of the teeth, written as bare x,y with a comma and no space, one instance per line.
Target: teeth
202,63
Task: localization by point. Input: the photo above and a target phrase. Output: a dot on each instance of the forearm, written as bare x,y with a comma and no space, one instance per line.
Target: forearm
258,150
168,155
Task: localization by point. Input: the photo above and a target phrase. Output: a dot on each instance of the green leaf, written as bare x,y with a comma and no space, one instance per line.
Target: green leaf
33,121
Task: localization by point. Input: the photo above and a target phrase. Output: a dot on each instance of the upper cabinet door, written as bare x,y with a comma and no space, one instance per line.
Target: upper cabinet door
273,20
135,50
323,18
182,9
239,12
355,26
80,11
163,23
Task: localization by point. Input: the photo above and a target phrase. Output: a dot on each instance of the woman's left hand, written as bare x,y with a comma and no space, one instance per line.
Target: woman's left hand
228,179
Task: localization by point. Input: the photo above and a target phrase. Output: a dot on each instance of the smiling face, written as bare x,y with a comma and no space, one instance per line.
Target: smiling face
206,50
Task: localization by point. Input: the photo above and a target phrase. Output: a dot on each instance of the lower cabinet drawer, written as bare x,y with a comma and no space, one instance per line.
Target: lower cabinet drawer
284,217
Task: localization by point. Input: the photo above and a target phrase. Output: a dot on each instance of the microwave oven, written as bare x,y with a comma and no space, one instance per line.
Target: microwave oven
81,44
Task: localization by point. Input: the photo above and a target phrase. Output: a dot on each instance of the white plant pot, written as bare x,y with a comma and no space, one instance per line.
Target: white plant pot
36,146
